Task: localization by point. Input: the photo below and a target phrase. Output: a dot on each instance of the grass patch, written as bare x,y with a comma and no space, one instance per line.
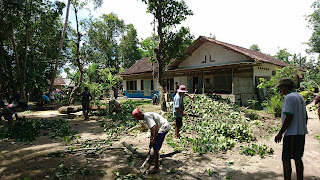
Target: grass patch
26,130
253,149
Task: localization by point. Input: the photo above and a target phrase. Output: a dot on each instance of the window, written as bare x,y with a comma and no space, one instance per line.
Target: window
132,85
223,83
169,85
142,85
151,85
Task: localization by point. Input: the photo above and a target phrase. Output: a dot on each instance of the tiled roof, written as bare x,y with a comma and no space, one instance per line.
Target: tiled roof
143,66
58,81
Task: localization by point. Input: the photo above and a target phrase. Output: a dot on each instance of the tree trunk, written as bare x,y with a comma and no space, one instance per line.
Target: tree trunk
24,63
76,89
60,46
158,52
16,57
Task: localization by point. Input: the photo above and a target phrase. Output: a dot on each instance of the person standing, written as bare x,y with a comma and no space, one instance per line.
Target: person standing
52,97
86,98
10,97
294,127
178,108
159,127
115,92
1,100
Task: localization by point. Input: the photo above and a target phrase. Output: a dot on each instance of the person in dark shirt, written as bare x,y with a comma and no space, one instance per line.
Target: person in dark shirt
11,110
86,98
115,92
1,100
17,97
10,97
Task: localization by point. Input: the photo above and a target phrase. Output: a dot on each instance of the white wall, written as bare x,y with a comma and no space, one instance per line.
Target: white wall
182,80
219,56
124,84
264,70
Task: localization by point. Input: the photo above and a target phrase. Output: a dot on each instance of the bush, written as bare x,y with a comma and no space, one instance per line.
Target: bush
307,95
274,105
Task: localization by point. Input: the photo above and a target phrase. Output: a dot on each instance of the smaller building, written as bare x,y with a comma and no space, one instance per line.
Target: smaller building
60,82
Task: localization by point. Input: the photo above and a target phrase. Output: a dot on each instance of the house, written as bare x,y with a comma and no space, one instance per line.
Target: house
211,67
60,82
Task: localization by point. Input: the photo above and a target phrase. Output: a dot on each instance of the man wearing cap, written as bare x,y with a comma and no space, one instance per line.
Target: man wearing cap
294,127
178,108
159,127
86,98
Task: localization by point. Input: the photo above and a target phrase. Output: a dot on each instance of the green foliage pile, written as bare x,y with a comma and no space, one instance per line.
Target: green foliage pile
254,149
274,104
120,122
27,130
274,100
218,128
307,95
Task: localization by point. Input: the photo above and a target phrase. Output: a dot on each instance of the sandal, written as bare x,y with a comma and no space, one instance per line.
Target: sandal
153,171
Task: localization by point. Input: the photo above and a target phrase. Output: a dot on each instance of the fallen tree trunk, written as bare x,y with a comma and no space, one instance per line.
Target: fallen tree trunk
69,109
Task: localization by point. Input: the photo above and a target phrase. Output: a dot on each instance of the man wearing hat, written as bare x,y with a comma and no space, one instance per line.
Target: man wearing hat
178,108
294,127
86,98
159,127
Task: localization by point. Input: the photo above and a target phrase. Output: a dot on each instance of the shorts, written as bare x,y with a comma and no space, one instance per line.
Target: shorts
52,100
293,146
178,122
85,106
159,140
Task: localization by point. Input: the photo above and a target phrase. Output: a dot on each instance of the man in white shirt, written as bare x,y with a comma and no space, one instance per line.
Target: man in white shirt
114,106
294,127
159,127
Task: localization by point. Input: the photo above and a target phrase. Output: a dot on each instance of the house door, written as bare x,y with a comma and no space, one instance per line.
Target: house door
147,88
195,84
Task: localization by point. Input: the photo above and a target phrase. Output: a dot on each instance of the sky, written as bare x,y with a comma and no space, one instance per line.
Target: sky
271,24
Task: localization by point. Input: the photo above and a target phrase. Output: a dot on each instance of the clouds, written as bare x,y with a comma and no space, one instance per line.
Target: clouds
268,23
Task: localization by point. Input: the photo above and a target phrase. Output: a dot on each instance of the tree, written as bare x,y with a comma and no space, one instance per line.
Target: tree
167,14
314,24
255,47
283,55
148,45
78,5
28,36
60,45
102,36
128,48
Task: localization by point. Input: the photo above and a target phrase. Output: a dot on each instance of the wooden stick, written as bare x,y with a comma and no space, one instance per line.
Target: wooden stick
145,161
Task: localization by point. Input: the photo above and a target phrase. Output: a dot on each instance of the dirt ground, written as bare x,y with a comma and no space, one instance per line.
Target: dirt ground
21,160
